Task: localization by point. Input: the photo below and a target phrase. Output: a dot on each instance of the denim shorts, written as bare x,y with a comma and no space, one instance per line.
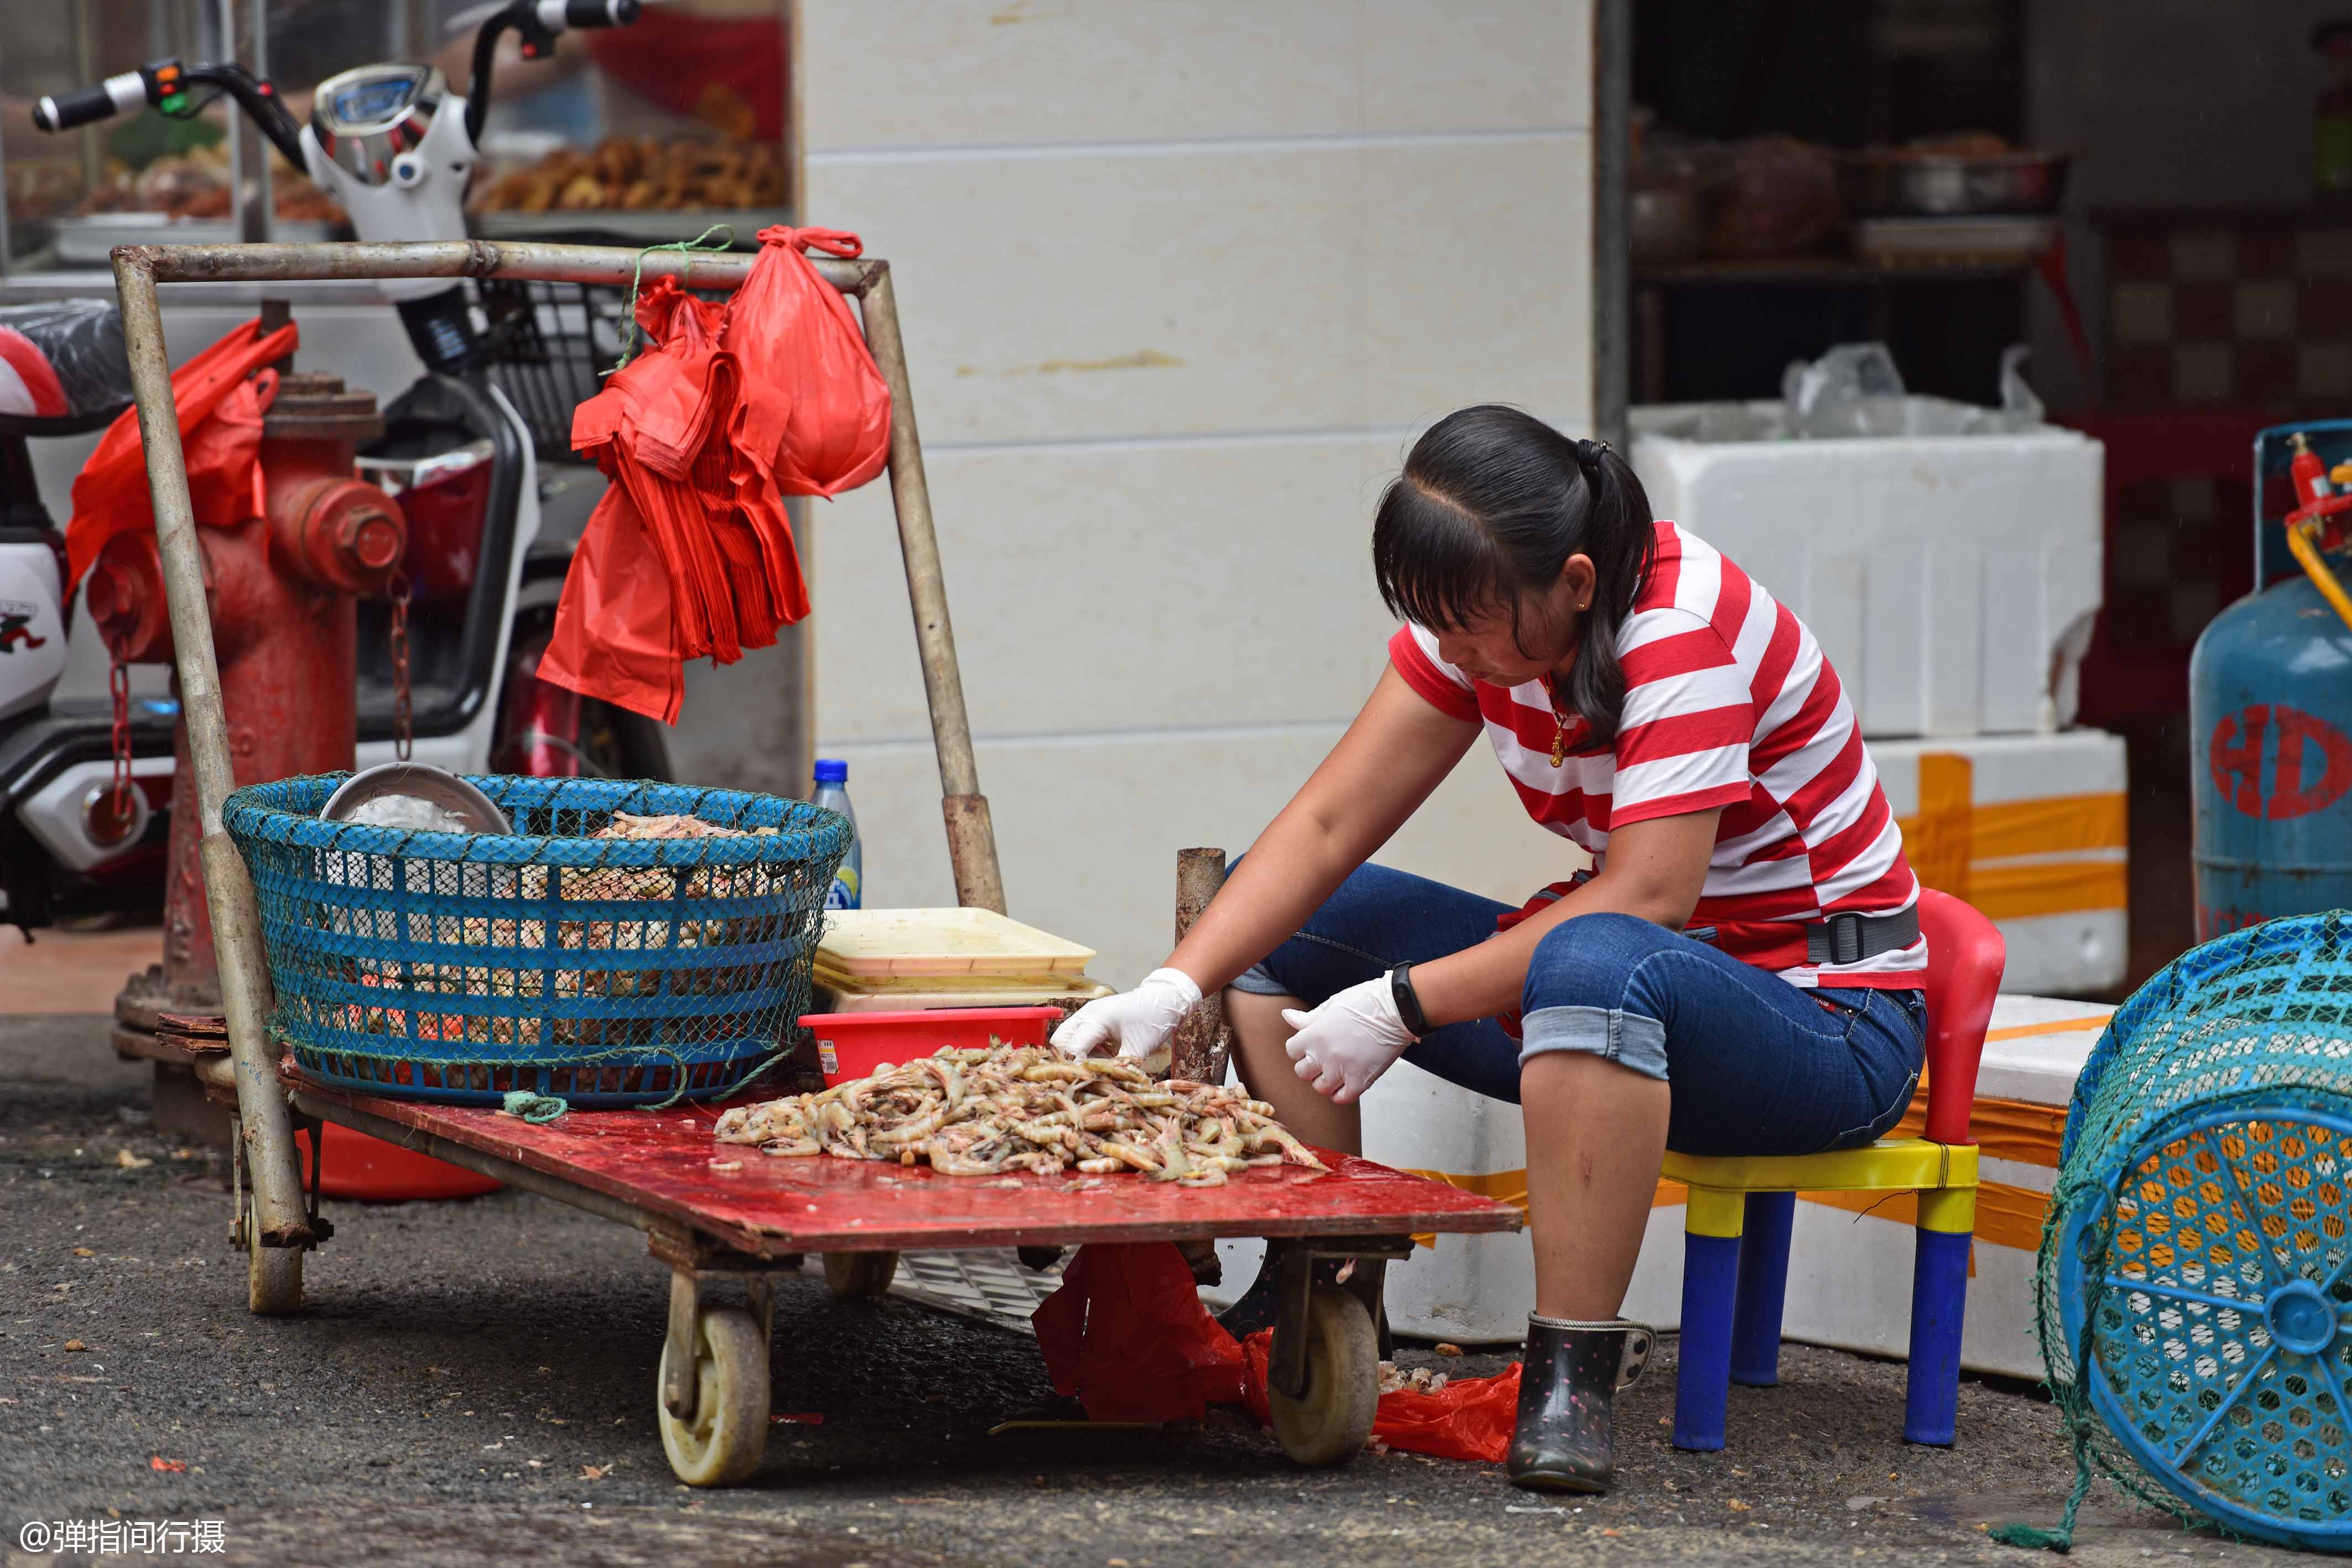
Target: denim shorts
1757,1066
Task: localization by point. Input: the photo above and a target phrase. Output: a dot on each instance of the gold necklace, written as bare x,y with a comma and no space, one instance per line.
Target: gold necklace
1558,725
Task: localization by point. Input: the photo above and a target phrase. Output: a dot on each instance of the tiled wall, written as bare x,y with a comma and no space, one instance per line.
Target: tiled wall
2231,310
1178,284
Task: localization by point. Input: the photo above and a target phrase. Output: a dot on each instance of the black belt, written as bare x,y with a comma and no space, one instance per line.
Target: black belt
1850,938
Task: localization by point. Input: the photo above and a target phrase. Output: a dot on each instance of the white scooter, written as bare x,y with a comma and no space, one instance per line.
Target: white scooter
395,147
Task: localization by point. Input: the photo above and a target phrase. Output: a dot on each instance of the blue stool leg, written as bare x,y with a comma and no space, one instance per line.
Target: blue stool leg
1939,1294
1710,1281
1763,1287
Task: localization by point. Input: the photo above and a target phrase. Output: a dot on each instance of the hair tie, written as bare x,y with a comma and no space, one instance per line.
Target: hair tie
1587,453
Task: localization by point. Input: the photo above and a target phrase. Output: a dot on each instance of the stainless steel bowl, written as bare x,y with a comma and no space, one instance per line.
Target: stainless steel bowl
1933,186
416,782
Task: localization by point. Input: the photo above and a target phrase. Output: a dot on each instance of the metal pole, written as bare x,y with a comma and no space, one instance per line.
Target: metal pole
267,1128
972,837
1199,1045
1613,255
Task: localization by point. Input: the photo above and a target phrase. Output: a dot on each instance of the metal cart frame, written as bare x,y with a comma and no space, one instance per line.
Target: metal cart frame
714,1397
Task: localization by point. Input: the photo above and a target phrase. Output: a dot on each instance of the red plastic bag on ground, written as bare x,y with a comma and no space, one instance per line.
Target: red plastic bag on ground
794,333
1469,1418
1127,1335
109,495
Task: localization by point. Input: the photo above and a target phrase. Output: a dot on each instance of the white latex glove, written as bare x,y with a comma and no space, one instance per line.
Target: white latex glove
1348,1042
1140,1021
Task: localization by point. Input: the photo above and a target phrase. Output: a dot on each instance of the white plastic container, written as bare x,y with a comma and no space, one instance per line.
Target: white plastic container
1950,578
2030,829
1849,1272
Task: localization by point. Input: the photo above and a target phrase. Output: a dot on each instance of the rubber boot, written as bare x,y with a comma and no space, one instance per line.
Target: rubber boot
1571,1373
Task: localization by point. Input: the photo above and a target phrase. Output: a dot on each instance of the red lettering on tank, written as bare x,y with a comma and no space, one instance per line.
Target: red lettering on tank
2290,797
2241,759
2312,772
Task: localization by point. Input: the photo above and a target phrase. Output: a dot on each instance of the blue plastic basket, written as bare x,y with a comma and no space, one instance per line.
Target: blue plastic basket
611,971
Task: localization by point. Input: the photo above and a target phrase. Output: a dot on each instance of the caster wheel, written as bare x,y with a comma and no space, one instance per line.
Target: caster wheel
860,1273
719,1445
273,1274
1332,1420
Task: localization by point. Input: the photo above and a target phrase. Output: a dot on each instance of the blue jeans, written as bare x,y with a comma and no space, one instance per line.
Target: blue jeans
1757,1065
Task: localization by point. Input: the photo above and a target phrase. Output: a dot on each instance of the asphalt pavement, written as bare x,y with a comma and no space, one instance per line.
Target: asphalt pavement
474,1383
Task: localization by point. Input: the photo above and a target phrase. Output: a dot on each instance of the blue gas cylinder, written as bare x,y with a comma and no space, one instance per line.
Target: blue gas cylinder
2270,713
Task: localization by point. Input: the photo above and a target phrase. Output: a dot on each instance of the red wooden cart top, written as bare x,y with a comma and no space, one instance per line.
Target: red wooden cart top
666,1163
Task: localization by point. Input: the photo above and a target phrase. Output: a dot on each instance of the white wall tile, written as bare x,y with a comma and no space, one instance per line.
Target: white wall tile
1087,830
948,73
1184,290
1117,588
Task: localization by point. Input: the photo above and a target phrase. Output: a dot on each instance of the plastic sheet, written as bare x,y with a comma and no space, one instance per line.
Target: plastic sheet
220,401
62,358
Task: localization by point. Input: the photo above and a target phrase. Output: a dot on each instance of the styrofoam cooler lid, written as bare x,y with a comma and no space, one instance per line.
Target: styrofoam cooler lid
875,942
2035,1048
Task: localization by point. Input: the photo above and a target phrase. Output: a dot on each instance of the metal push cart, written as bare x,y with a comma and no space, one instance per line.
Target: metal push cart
710,1219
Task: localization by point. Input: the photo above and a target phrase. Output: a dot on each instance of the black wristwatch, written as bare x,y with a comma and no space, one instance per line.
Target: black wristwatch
1408,1006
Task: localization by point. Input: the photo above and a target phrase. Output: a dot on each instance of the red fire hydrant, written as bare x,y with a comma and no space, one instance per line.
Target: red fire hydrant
283,590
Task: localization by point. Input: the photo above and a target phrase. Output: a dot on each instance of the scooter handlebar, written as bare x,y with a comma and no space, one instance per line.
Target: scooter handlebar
556,16
86,106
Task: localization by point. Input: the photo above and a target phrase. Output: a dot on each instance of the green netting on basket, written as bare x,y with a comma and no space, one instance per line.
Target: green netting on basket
2192,1295
559,959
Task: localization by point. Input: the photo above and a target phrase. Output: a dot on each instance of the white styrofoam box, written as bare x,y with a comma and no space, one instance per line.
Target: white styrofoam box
1946,577
2030,829
1849,1273
1010,72
1087,828
1202,290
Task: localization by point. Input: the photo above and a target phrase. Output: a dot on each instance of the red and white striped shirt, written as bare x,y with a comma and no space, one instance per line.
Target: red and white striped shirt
1729,702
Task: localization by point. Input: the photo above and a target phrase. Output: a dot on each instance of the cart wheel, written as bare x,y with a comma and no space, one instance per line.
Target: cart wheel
1330,1423
719,1445
860,1273
273,1274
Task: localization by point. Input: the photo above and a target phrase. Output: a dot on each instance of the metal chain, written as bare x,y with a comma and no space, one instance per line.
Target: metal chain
118,683
401,729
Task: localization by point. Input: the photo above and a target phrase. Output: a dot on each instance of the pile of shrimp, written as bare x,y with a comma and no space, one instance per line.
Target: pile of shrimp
1023,1108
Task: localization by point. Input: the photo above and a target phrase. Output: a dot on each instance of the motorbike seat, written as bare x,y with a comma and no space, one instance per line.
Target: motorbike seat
62,366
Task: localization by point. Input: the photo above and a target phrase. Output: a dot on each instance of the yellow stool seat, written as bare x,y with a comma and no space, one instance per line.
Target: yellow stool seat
1943,1175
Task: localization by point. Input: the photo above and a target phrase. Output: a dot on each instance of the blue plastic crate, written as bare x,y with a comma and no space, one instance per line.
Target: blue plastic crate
611,971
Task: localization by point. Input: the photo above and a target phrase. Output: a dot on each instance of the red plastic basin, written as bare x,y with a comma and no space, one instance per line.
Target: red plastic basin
852,1045
372,1171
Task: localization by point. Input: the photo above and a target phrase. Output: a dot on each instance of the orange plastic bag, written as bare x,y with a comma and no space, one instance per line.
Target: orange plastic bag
1469,1418
109,495
612,637
793,334
1127,1335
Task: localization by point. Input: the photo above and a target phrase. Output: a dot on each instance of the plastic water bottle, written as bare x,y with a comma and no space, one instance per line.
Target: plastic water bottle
832,793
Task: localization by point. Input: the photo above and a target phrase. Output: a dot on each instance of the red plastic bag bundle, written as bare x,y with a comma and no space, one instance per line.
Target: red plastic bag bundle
735,407
220,399
1127,1335
793,331
698,528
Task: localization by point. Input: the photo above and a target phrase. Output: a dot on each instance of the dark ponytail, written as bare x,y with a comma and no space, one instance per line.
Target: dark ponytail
1490,505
